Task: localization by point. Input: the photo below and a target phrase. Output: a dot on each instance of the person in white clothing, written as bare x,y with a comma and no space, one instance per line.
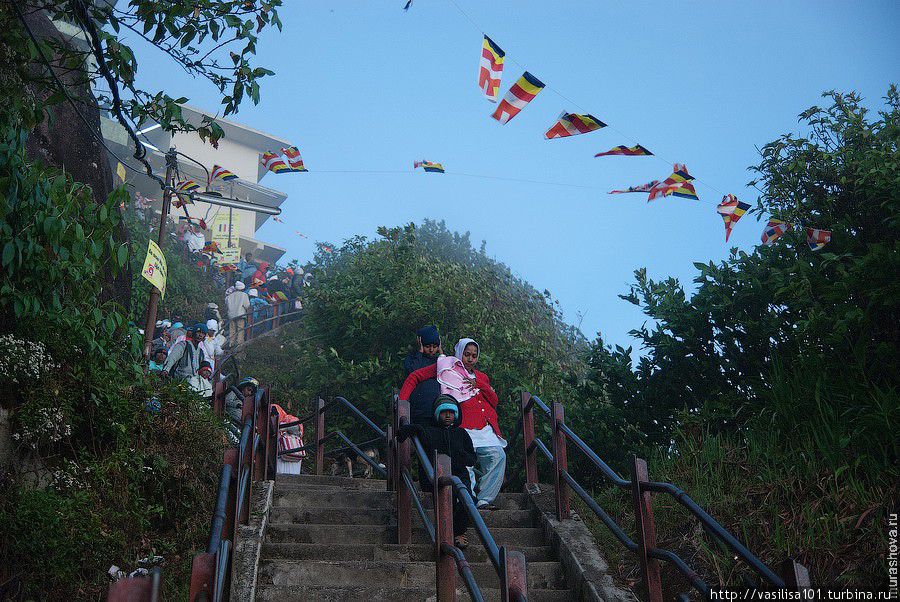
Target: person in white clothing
194,238
211,346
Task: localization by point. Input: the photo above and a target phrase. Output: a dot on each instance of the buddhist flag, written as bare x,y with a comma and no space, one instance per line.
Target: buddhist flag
572,124
186,186
640,188
731,210
182,190
211,247
428,166
626,151
678,184
775,229
816,239
220,173
519,95
274,163
490,69
300,234
294,159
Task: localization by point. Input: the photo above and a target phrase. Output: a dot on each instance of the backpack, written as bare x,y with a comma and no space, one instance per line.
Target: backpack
184,368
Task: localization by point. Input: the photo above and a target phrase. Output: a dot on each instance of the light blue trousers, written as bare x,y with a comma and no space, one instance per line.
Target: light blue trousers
487,474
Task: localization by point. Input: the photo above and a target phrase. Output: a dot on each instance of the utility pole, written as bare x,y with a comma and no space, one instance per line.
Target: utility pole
153,303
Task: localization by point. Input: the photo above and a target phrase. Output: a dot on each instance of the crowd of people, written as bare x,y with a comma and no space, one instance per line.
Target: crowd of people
453,410
188,350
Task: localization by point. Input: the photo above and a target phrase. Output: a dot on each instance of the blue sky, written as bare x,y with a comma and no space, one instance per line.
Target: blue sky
365,86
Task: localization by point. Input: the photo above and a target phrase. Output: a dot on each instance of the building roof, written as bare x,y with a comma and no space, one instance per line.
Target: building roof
236,132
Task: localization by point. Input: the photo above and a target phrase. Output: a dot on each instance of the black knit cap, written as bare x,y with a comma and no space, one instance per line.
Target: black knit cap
429,335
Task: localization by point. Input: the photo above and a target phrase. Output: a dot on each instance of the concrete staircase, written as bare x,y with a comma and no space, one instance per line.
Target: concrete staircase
330,539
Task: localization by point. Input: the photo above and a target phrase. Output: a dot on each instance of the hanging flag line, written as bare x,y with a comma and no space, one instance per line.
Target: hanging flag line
678,184
566,98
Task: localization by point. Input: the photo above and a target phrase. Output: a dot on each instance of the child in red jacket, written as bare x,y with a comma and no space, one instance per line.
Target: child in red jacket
479,418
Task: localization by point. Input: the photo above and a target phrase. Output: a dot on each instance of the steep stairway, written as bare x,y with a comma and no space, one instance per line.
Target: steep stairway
330,539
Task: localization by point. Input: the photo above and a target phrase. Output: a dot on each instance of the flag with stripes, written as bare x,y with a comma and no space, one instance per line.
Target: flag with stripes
294,159
774,230
274,163
572,124
428,166
678,184
186,186
220,173
519,95
731,210
640,188
626,151
490,69
816,239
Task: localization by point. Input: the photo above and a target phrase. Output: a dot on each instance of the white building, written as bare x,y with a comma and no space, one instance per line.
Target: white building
238,151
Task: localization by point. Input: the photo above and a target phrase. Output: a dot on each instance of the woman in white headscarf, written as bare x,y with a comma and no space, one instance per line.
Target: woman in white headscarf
479,418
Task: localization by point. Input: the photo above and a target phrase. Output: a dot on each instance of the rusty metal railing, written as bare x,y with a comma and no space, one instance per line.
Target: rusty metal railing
510,566
794,576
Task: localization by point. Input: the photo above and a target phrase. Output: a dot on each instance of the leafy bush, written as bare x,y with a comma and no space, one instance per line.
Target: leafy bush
93,479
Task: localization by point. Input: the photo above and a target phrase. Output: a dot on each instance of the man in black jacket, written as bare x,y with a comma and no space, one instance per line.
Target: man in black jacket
421,400
445,436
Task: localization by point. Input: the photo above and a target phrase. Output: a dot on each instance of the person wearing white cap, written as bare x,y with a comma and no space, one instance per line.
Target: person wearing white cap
237,304
210,347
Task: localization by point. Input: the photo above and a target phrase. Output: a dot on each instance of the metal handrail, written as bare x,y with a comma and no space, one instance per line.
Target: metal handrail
680,496
374,427
429,526
465,571
484,534
377,467
218,523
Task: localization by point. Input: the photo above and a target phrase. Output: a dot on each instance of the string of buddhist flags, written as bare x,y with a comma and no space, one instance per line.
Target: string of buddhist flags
776,228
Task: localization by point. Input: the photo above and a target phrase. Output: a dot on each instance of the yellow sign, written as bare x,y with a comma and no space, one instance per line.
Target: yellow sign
229,256
120,171
220,228
155,268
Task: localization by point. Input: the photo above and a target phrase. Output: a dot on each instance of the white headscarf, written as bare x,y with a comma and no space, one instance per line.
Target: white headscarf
461,346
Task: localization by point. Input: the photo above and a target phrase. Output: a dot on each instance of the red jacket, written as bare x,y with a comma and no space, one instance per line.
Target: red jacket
477,412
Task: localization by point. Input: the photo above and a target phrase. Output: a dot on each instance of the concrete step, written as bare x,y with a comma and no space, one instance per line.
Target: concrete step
387,552
385,516
300,497
390,594
314,482
354,573
504,501
378,534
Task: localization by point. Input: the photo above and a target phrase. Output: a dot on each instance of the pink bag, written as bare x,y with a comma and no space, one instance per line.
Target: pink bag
288,441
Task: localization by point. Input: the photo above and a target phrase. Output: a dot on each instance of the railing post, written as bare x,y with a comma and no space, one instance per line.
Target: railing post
218,398
389,461
528,439
514,577
320,436
230,528
445,565
795,575
262,428
404,499
560,463
247,413
203,576
646,530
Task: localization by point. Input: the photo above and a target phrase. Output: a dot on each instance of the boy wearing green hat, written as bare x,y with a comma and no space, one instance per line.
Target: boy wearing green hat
445,436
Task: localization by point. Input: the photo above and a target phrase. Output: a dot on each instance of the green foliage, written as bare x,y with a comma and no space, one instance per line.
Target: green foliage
187,289
370,297
94,479
144,486
772,390
211,39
